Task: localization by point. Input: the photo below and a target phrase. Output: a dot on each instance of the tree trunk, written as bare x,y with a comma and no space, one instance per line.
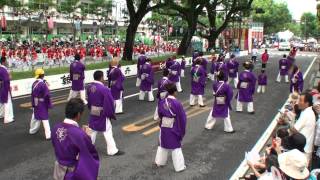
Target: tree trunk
187,37
130,36
212,40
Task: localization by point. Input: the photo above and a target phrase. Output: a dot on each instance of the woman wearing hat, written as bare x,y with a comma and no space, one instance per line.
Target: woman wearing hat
41,102
293,165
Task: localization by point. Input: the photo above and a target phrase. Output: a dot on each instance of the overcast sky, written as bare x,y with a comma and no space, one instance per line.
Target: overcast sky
298,7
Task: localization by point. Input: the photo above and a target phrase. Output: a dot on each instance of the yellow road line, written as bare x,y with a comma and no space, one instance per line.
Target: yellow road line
54,100
189,115
146,122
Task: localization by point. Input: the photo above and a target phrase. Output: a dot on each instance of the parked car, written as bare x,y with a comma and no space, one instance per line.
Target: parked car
284,45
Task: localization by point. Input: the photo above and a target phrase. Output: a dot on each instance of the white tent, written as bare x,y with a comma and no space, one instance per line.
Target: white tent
312,40
285,35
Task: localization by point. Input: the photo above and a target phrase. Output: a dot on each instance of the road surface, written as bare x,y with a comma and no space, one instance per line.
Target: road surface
208,154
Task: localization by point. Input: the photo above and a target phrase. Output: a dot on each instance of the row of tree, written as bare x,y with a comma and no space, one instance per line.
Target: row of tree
190,11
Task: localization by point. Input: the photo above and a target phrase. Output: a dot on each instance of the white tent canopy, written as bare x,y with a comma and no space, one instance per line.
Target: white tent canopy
285,34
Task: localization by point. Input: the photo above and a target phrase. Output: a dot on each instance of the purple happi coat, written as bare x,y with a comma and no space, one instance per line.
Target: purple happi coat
296,82
246,86
116,78
77,75
147,78
169,63
175,71
262,79
223,95
171,137
101,105
40,98
198,80
73,148
161,86
233,67
284,66
4,84
221,66
141,62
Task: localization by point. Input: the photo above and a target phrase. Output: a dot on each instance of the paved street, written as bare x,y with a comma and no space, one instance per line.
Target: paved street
208,154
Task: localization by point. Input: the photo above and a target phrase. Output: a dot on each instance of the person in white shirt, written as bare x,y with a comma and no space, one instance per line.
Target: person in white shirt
306,123
254,54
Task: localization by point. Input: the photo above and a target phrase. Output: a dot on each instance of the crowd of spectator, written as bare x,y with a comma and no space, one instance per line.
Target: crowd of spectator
293,152
59,52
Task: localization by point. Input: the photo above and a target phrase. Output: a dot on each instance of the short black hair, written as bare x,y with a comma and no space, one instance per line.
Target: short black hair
282,133
3,59
198,61
165,72
97,75
171,88
308,98
220,75
232,56
200,53
148,60
77,57
284,56
262,70
74,107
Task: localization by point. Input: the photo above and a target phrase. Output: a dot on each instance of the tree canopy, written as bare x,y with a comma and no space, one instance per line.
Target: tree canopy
276,16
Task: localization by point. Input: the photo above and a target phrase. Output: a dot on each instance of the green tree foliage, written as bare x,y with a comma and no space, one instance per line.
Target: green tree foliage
68,6
309,25
40,5
276,16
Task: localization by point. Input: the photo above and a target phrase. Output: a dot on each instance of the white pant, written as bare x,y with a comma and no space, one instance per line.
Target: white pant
182,73
211,76
177,158
74,94
138,83
235,81
193,99
156,114
211,121
108,136
249,106
143,93
119,104
279,77
178,85
6,110
261,88
35,126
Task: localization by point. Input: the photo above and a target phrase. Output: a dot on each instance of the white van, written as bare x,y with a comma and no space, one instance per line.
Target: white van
284,44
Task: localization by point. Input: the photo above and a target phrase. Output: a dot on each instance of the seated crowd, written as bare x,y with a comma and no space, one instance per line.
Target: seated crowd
293,152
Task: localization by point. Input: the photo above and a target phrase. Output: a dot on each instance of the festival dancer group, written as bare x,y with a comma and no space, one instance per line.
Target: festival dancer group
74,145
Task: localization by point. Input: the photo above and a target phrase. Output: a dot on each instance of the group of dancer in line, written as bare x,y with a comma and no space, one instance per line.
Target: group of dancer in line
73,145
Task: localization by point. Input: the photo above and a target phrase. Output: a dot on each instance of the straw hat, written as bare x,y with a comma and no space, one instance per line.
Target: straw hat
294,164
